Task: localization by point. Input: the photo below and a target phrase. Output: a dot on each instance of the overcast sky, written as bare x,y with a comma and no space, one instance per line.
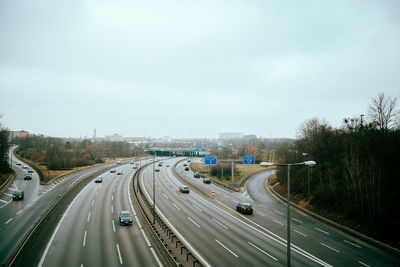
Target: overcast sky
186,68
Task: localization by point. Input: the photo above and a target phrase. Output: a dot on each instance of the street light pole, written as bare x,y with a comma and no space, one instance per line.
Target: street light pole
154,190
308,164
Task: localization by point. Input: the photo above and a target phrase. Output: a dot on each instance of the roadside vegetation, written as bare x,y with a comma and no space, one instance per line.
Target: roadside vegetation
356,181
5,169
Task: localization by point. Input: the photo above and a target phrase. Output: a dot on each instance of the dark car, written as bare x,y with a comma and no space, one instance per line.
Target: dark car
134,167
98,180
18,163
30,171
159,164
113,171
207,180
196,175
186,168
119,173
168,166
18,195
184,189
185,164
244,208
157,170
28,176
125,218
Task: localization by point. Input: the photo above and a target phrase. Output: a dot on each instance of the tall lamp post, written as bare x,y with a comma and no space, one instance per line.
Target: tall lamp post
154,190
288,165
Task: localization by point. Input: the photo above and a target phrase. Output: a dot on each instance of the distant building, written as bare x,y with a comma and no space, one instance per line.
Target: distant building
114,138
249,136
18,134
226,136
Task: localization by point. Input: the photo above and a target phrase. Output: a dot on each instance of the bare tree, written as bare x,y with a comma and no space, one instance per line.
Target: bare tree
382,112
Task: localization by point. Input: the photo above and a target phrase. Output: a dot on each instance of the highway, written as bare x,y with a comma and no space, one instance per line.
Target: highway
89,233
17,217
224,237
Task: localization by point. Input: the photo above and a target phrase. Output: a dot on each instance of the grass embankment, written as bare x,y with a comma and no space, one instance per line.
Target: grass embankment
243,171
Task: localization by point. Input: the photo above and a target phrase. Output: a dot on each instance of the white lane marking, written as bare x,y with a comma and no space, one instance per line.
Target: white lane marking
113,225
84,239
9,220
278,212
113,189
112,197
330,247
12,189
353,244
145,238
165,195
119,254
362,263
300,233
176,206
92,203
321,230
55,231
3,201
272,257
19,212
8,194
220,224
193,222
184,197
156,257
233,200
278,222
262,214
88,217
81,264
112,208
297,220
196,207
227,249
97,193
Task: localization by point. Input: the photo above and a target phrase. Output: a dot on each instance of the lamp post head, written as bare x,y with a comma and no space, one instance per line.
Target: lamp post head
310,163
265,163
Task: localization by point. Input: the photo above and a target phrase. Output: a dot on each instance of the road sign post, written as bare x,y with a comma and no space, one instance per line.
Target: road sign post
210,160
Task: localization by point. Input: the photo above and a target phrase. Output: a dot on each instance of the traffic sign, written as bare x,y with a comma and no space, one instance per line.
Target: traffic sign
204,149
249,160
210,160
196,149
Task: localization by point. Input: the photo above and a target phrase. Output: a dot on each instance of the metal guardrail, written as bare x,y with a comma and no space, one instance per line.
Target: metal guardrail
339,226
166,229
6,182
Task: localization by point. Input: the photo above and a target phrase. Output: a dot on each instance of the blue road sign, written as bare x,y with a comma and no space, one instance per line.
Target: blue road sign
195,149
204,149
210,160
249,160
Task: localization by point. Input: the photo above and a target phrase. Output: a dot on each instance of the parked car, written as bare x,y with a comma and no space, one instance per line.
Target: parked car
28,176
98,180
207,180
196,175
244,208
113,171
184,189
186,168
18,195
125,218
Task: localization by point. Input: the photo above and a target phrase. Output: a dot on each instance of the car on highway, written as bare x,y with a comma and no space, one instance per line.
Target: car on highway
168,165
113,171
18,163
131,162
18,195
98,180
24,167
118,162
157,170
159,164
207,180
188,160
184,189
134,167
186,168
28,176
196,175
185,164
119,172
125,218
30,171
245,208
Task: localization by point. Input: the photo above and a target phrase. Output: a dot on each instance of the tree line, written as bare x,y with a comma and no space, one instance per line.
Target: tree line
356,174
58,154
